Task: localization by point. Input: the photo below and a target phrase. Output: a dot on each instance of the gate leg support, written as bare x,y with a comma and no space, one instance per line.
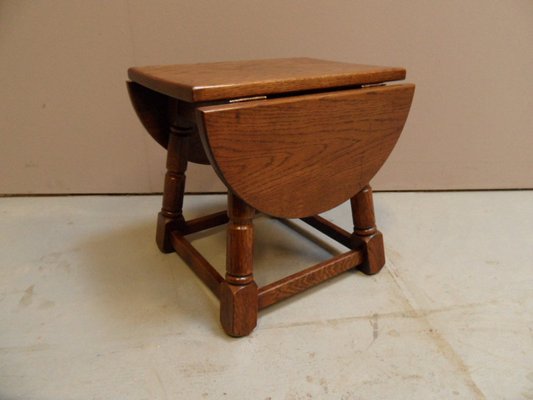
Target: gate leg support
171,216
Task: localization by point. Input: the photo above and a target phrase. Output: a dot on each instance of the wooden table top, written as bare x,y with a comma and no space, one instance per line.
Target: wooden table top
236,79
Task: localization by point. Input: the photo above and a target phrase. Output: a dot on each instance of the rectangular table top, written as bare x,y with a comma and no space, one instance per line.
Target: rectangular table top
237,79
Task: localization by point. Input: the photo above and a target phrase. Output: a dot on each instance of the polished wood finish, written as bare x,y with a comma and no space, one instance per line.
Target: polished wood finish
303,280
366,233
238,301
289,149
314,140
171,216
240,298
235,79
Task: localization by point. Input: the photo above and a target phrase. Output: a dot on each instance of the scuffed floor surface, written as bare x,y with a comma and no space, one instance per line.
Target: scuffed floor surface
89,308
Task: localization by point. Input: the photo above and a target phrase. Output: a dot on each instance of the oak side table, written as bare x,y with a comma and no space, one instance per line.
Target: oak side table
290,138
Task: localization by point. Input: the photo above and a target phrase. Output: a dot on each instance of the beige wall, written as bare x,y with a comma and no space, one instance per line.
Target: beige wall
67,126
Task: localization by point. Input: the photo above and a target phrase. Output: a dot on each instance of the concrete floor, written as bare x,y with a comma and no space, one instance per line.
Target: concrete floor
89,308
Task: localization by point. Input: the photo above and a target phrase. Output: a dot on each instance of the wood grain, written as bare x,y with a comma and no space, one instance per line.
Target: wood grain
314,141
300,281
300,156
364,220
365,232
233,79
238,292
171,215
240,241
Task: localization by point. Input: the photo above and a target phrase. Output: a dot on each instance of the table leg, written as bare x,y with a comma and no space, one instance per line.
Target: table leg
238,293
365,231
171,216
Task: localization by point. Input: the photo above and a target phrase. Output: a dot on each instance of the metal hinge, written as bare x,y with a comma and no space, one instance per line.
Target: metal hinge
248,99
372,85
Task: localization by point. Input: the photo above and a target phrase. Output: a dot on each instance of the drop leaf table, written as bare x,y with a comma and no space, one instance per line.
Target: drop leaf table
290,138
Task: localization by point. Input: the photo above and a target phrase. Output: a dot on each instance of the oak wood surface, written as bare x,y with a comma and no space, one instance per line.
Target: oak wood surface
312,276
233,79
299,156
240,241
171,215
364,219
365,232
238,292
314,142
240,298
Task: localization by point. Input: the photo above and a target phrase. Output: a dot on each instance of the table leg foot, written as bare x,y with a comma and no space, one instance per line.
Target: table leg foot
366,233
238,308
238,292
165,226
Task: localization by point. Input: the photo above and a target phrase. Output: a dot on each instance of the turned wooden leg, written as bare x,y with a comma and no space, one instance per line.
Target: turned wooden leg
365,231
171,217
238,293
